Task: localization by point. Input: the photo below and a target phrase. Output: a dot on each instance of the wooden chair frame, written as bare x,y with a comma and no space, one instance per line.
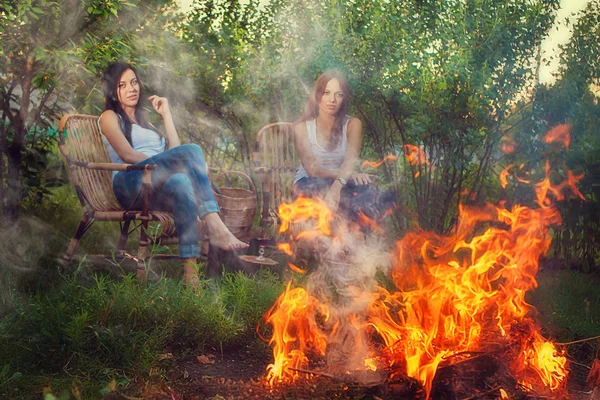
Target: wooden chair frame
276,161
91,174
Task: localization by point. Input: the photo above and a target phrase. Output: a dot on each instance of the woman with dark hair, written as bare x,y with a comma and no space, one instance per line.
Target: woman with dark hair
328,143
180,183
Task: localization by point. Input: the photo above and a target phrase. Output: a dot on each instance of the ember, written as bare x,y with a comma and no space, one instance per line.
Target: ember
456,297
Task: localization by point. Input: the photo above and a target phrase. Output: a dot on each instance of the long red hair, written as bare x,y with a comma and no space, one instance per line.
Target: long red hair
311,110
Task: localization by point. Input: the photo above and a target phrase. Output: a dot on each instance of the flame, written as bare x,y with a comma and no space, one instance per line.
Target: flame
370,364
508,146
305,209
295,331
366,221
296,269
560,134
504,175
453,294
376,164
286,248
503,394
415,156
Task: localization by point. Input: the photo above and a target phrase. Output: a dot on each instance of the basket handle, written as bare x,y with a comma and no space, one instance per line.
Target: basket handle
250,183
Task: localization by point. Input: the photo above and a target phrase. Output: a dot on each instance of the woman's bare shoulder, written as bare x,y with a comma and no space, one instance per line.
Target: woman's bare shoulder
300,127
109,121
354,122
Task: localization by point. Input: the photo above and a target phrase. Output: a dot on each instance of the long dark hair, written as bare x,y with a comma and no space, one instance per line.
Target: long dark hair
311,110
110,83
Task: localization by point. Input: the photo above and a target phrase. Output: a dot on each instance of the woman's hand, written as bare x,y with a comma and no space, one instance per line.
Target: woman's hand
160,105
361,179
332,198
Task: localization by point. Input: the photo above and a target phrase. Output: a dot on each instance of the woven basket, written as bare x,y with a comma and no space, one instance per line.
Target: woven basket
238,206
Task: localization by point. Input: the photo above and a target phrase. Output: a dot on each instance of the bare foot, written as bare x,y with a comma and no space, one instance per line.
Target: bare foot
220,236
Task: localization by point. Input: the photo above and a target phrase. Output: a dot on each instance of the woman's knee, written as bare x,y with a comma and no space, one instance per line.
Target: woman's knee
194,150
179,185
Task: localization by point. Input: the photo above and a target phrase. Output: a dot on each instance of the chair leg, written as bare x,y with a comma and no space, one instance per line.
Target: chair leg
123,237
84,225
142,253
204,239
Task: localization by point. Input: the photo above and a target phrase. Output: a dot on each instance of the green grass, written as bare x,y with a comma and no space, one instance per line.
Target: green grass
569,303
115,329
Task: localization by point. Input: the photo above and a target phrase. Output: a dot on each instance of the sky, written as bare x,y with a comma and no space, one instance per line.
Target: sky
558,35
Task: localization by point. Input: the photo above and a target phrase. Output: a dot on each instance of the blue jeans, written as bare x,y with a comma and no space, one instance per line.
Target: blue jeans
180,185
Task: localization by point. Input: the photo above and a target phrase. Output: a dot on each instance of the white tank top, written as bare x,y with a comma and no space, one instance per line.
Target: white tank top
326,159
146,141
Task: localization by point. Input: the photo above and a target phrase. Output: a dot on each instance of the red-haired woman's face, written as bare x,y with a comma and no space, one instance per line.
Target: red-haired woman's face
332,98
128,89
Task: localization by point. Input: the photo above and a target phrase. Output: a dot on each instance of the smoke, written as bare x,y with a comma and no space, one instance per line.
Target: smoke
345,282
27,248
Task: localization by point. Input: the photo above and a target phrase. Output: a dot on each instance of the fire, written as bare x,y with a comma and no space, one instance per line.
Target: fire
377,164
296,269
295,312
415,156
508,146
560,134
286,248
454,294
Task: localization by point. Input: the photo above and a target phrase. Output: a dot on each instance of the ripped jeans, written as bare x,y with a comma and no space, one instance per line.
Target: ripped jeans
180,185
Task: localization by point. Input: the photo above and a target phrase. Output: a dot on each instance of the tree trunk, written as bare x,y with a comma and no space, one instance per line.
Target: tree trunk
13,192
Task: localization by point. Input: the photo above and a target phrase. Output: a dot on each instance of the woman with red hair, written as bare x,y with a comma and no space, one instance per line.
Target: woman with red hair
328,142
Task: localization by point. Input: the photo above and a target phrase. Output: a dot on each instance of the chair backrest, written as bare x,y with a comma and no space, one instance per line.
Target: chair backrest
81,141
276,151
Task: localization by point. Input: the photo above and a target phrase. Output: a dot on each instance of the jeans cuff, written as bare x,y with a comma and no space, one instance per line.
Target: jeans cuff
205,207
189,251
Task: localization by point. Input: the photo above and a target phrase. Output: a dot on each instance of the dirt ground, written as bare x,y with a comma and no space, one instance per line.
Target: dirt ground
239,374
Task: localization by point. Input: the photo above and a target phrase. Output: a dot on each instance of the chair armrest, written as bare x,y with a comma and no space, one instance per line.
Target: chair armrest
263,170
112,166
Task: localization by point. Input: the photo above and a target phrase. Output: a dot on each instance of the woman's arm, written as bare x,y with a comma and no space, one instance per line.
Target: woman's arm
346,171
307,158
161,106
111,128
352,149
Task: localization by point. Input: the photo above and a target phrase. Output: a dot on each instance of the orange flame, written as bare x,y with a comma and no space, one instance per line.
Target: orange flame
286,248
508,146
415,155
303,210
560,134
454,294
296,269
504,175
295,331
376,164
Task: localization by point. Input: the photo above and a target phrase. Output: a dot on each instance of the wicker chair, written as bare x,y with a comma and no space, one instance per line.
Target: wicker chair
276,162
91,174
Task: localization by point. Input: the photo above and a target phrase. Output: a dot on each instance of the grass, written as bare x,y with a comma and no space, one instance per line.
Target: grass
84,332
568,305
117,329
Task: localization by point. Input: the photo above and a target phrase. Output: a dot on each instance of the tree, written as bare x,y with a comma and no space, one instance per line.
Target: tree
442,76
48,48
572,100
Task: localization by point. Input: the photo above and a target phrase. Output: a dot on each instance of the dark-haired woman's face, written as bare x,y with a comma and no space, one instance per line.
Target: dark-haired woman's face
128,89
332,98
